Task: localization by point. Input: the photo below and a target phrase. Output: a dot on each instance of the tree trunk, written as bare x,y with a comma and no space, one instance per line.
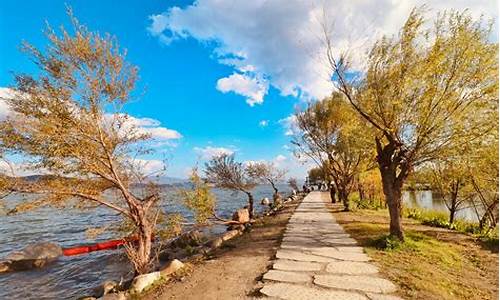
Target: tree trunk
141,256
393,198
250,204
332,193
344,197
389,161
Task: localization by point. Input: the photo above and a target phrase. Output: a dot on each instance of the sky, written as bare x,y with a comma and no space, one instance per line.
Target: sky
219,76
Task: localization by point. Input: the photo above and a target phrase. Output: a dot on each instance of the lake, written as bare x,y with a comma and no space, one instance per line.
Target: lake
433,201
75,276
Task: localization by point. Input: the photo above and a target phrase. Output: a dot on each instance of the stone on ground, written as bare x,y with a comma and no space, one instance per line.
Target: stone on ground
355,282
299,292
351,268
291,265
285,276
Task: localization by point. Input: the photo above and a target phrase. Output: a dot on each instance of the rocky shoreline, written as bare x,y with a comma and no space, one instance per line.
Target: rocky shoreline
182,253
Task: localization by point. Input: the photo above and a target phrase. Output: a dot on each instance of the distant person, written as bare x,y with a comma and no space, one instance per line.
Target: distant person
333,191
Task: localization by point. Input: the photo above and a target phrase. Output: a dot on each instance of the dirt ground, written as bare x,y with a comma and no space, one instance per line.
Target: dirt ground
233,271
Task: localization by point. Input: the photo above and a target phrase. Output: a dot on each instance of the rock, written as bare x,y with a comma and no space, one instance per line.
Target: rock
239,227
291,265
32,256
301,292
265,201
190,238
104,288
215,243
230,234
170,254
284,276
241,215
351,268
171,267
143,281
114,296
355,282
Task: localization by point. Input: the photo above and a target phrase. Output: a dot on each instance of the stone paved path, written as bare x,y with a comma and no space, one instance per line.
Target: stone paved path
319,260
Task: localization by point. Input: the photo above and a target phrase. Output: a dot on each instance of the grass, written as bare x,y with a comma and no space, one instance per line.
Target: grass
441,220
432,263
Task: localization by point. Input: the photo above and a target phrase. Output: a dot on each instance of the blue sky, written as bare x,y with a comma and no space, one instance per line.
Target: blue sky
179,79
213,70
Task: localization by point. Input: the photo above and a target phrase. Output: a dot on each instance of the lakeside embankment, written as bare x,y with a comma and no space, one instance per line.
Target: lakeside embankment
233,270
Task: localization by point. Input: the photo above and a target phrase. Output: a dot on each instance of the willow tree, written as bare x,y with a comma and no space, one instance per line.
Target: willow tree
267,173
335,140
66,122
226,173
450,178
423,90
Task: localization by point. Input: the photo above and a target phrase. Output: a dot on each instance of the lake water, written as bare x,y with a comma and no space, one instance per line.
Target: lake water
75,276
433,201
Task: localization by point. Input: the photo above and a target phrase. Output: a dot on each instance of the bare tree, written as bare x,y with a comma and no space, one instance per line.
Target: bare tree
67,122
224,172
266,172
292,182
422,91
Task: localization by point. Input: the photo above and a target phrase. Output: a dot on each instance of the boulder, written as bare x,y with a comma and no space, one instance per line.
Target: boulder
171,267
107,287
32,256
265,201
241,215
190,238
239,227
215,243
114,296
141,282
230,234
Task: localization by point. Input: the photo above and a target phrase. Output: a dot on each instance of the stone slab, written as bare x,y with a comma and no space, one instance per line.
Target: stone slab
341,255
284,276
292,265
297,292
382,297
370,284
297,255
351,268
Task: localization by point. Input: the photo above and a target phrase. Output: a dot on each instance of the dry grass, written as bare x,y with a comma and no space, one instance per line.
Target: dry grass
433,263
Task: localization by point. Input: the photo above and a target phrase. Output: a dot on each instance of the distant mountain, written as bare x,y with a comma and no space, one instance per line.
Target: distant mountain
172,180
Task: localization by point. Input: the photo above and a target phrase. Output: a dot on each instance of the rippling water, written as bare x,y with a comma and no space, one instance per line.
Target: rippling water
75,276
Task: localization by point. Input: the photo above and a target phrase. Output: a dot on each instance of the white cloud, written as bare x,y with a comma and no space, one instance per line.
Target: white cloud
150,167
252,88
280,158
289,124
264,123
5,93
281,40
209,151
149,126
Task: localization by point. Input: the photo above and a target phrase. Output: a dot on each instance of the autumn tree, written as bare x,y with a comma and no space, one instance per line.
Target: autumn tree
451,180
329,135
67,121
199,198
422,90
267,173
226,173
